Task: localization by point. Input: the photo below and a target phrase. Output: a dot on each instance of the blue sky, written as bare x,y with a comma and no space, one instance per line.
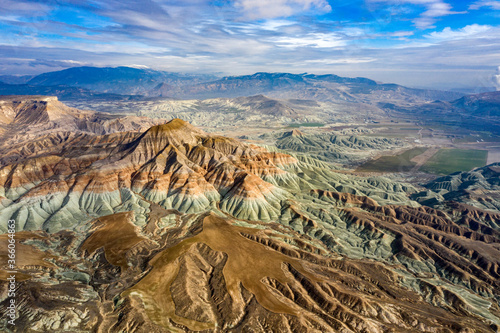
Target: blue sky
423,43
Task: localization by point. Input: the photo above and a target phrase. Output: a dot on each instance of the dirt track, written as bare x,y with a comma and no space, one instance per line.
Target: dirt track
423,158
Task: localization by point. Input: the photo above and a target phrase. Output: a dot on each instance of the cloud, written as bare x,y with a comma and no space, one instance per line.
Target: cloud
434,9
55,63
401,34
341,61
36,61
315,40
473,30
485,3
29,8
138,66
264,9
496,79
243,36
275,25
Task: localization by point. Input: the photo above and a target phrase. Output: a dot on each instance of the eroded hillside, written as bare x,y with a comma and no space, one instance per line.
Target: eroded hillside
171,228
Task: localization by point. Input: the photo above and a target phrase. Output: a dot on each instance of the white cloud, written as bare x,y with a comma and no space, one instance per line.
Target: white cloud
131,17
354,32
138,66
340,61
275,25
32,8
496,79
473,30
315,40
197,36
485,3
434,10
265,9
10,18
401,34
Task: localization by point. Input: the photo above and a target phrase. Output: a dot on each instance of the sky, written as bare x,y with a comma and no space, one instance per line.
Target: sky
419,43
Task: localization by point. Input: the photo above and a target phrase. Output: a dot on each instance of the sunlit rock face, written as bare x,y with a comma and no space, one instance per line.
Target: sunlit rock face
130,226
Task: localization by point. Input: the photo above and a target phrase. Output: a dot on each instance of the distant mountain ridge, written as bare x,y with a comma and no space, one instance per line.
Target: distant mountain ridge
119,80
15,79
479,112
153,83
63,92
485,104
328,87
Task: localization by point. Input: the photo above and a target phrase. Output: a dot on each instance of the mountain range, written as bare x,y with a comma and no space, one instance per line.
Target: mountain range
94,86
152,83
479,112
116,80
304,86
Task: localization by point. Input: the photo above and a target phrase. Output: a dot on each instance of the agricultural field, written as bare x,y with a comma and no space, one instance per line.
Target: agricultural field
478,137
447,161
395,163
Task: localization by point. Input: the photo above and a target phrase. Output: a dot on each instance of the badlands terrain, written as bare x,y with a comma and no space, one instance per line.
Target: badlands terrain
289,222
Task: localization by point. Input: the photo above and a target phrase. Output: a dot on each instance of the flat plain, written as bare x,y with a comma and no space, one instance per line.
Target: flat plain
447,161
